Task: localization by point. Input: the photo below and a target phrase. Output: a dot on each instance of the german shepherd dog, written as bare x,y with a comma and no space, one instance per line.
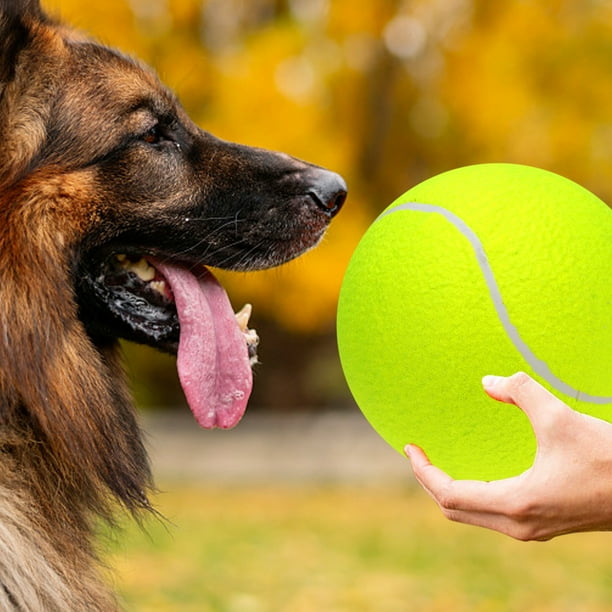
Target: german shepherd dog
111,203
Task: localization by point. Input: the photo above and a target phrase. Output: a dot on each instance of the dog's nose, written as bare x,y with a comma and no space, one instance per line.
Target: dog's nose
328,190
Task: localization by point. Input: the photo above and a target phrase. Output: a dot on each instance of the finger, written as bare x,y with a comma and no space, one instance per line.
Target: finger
458,496
522,391
471,502
435,481
431,478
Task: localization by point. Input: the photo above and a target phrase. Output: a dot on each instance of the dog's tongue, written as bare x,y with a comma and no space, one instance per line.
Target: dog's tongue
213,362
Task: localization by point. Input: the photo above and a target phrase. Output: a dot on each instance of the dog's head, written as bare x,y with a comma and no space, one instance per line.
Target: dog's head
102,167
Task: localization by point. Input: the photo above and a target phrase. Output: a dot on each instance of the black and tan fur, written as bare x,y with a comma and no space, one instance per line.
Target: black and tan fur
98,158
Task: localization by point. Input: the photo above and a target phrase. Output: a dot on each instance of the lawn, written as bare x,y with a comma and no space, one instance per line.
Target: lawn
344,549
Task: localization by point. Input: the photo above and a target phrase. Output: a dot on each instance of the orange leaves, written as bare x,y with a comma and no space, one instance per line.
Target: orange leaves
529,84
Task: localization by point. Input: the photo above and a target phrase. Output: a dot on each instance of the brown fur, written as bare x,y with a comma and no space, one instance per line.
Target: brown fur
75,185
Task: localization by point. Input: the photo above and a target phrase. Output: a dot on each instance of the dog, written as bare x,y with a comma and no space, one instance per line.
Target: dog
112,202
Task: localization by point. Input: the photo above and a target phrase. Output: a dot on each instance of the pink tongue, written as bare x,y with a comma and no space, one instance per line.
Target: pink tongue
213,362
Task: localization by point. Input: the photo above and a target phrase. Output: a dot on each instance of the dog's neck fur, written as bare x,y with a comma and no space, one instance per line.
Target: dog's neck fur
50,537
66,428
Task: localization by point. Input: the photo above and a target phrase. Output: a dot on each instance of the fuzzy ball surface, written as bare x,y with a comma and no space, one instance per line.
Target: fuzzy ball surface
486,269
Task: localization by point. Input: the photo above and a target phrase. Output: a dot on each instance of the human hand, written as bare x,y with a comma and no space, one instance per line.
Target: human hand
568,488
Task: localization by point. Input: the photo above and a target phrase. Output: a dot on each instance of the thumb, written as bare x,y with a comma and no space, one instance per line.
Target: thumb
530,396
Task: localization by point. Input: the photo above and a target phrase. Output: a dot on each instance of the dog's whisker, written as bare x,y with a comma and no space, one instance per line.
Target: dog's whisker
247,262
208,239
242,262
229,219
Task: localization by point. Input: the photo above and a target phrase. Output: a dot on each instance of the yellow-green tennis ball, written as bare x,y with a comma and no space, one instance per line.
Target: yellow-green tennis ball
487,269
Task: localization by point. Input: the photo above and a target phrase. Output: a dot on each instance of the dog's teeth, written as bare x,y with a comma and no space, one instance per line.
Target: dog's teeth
143,270
159,286
250,335
243,317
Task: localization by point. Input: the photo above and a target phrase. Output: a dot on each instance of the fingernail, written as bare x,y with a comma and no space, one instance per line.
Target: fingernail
491,381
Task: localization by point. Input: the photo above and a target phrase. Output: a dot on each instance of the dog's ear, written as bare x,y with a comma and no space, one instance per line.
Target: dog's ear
16,16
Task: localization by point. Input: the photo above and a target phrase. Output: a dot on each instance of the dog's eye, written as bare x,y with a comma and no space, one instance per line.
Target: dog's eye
153,136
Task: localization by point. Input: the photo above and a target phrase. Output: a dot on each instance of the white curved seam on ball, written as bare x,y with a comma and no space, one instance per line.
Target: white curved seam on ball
538,365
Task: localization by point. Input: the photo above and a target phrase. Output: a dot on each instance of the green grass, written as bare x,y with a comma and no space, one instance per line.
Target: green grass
345,549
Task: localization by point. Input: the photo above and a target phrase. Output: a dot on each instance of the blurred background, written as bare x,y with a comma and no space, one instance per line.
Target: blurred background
387,93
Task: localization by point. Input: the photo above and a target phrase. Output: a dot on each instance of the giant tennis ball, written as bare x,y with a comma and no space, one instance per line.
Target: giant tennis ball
487,269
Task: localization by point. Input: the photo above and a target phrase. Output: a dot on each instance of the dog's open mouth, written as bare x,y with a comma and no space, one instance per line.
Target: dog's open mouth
186,310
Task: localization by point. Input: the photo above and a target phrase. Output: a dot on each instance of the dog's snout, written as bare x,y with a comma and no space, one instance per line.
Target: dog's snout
328,190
